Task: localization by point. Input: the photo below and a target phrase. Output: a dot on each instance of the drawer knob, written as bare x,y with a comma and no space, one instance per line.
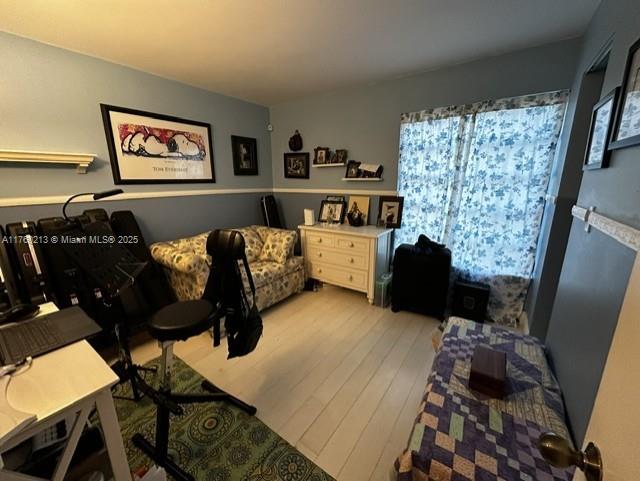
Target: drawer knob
351,244
319,240
350,277
351,260
320,271
319,254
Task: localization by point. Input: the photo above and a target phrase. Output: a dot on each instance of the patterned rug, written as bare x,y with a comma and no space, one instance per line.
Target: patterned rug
214,441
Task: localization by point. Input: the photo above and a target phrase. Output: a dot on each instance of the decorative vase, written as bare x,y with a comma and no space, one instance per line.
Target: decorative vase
295,142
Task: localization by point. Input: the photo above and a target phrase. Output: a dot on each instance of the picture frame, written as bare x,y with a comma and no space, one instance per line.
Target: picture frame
151,148
296,165
342,156
244,151
390,211
353,170
334,210
597,153
627,123
321,156
362,203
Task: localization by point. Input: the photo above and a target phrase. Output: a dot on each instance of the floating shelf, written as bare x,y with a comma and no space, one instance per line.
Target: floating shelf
362,179
80,161
328,165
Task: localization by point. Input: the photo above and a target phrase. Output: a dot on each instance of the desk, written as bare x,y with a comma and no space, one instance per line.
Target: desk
71,380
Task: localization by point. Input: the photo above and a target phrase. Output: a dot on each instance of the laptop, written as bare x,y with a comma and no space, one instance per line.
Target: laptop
43,334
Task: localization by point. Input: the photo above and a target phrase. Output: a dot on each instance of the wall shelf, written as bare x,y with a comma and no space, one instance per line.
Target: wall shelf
328,165
362,179
80,161
625,234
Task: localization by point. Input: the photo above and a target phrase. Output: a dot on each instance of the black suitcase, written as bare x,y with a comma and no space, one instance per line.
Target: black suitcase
421,280
28,257
9,293
270,212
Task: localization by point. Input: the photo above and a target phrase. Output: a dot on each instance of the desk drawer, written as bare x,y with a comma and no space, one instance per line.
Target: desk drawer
352,244
321,239
334,275
351,260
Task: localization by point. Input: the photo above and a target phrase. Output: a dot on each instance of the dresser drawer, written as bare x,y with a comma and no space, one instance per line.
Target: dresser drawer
340,258
321,239
352,244
343,277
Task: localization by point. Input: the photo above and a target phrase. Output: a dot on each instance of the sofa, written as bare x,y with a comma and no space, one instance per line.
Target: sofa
276,272
460,434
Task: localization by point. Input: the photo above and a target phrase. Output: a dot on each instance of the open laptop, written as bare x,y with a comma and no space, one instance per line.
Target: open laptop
45,333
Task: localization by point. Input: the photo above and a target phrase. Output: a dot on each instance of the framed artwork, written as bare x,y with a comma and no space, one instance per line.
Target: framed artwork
332,211
353,170
321,155
390,211
149,148
627,127
296,165
245,155
597,154
341,156
359,203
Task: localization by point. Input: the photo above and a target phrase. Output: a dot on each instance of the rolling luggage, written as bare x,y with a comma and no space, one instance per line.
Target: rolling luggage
9,293
421,278
30,262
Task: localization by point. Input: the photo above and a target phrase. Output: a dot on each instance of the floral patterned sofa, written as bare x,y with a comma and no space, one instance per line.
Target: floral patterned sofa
276,272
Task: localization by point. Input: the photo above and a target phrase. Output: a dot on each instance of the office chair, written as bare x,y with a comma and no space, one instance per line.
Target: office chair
179,321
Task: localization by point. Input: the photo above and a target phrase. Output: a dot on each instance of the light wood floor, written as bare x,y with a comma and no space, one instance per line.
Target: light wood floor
339,379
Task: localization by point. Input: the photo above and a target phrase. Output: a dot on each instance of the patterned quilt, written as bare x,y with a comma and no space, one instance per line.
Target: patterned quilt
462,435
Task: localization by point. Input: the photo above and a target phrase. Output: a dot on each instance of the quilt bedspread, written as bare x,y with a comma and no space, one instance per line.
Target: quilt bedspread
462,435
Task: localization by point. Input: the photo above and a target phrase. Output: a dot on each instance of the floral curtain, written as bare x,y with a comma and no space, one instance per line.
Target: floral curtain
474,177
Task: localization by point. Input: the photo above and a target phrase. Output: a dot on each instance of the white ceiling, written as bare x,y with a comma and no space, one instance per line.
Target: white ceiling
271,51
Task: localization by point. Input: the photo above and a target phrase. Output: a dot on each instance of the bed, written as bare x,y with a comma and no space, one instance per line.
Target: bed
460,434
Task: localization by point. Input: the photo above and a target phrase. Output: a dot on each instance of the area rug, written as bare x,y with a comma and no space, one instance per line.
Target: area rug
214,441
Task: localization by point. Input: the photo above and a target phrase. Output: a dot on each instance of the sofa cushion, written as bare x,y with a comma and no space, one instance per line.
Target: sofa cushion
278,246
266,272
252,243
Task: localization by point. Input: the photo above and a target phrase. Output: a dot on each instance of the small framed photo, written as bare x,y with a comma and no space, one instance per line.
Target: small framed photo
332,211
321,155
627,126
353,170
150,148
296,165
597,153
341,156
245,155
390,211
359,203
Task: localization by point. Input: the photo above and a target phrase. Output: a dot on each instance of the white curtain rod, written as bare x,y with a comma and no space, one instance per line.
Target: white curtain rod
625,234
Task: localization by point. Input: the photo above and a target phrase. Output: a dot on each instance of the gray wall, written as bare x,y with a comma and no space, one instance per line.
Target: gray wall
366,120
49,100
596,268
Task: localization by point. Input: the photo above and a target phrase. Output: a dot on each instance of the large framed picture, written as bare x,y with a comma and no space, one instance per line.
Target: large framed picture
245,155
332,211
296,165
149,148
390,211
627,128
597,153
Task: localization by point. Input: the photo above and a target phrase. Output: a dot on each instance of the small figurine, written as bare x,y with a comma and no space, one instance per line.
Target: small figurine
355,216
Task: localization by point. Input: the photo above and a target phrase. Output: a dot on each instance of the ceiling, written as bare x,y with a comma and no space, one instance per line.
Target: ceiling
272,51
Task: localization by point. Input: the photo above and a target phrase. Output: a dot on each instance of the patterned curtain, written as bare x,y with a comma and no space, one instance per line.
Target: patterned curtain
474,177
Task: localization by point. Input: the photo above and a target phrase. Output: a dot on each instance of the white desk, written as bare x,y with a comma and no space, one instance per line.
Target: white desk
71,380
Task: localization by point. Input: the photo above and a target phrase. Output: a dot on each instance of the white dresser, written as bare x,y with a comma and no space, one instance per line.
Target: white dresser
351,257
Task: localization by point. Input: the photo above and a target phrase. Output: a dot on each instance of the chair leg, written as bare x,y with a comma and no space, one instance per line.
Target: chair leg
173,470
226,397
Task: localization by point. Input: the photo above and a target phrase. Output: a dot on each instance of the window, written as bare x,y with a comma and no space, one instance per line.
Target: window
474,177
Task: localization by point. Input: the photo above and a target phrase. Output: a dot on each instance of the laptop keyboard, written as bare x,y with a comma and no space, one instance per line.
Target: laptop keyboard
30,338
